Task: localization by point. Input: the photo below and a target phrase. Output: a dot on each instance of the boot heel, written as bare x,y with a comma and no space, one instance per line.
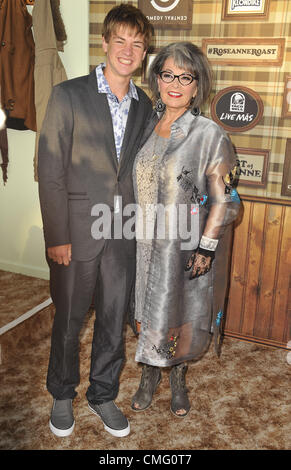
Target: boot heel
150,379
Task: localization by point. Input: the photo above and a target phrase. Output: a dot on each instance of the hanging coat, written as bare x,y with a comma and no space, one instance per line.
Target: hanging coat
3,145
17,65
49,69
181,315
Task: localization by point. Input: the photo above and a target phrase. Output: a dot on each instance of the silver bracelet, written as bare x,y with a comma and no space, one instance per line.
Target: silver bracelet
208,243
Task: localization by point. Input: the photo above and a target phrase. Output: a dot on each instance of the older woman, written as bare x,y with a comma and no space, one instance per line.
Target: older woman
183,184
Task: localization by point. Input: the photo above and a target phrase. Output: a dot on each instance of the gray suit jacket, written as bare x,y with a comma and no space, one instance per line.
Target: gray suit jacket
78,167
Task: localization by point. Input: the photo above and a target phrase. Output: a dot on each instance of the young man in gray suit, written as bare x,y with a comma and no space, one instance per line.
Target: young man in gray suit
90,136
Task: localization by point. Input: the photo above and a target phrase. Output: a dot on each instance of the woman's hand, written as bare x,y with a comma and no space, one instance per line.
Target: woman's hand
200,262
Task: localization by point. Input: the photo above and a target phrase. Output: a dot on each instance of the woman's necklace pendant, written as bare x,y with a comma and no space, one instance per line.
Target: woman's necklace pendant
155,156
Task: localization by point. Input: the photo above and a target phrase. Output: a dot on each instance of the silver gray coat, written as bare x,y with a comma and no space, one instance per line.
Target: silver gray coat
180,315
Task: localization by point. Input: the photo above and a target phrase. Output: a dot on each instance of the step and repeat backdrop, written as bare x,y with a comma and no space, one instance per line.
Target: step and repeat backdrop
248,43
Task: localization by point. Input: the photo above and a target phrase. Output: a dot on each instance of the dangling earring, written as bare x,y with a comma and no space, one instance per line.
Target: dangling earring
196,112
160,106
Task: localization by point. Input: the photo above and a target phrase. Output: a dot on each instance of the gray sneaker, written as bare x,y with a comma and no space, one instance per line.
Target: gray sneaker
62,419
113,419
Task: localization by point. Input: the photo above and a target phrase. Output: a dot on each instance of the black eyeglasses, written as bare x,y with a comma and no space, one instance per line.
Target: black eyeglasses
184,78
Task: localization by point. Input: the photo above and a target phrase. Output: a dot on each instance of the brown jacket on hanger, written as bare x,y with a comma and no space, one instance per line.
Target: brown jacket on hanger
3,146
17,65
49,70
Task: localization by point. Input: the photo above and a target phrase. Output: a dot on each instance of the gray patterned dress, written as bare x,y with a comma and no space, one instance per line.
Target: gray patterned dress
146,171
190,170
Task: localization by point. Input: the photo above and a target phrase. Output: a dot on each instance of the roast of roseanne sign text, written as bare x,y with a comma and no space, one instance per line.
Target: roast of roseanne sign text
252,166
260,52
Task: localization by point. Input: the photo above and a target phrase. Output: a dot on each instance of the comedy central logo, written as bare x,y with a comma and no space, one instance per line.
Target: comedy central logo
171,4
165,14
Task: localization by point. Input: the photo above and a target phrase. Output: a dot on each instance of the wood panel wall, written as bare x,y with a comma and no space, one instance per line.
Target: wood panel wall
259,303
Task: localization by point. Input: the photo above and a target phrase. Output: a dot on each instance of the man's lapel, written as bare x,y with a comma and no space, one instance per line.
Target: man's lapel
136,133
148,128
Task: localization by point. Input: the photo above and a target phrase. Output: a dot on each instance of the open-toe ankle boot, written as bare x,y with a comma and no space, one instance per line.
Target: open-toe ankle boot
150,379
180,399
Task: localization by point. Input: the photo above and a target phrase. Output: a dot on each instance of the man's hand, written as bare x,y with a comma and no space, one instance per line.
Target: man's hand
61,254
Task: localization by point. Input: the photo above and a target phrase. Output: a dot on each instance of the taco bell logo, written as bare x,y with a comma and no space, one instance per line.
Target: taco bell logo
171,5
237,103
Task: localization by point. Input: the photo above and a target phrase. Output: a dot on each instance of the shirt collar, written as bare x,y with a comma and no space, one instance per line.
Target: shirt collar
103,85
183,123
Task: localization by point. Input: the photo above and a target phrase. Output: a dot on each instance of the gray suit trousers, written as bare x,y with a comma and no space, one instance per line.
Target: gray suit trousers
108,279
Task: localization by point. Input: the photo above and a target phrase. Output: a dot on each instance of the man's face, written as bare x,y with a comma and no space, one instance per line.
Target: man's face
125,51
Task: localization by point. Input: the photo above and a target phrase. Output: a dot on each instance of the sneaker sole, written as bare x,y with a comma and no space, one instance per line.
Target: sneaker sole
61,432
114,432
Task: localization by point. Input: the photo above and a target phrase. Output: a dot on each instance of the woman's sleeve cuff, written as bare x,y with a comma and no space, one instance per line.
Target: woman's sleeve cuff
208,243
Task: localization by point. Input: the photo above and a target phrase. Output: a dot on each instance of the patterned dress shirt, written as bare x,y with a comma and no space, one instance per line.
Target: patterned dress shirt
119,110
